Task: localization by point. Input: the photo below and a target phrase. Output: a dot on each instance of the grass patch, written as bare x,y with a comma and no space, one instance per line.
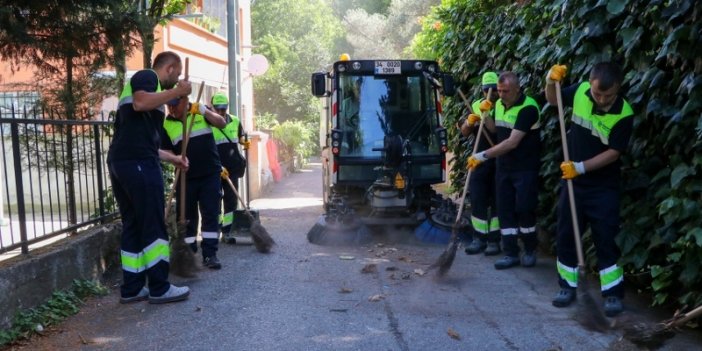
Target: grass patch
62,304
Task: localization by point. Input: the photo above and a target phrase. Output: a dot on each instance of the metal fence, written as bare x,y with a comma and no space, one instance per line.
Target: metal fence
53,177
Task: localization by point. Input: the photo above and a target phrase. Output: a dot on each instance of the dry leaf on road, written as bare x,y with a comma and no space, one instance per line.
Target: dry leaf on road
369,268
345,290
453,334
376,298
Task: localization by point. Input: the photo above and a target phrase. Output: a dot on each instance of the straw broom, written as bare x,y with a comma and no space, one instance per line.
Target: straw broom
262,240
591,315
445,261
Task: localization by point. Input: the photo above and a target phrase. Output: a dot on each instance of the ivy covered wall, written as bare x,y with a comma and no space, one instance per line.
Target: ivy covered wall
659,45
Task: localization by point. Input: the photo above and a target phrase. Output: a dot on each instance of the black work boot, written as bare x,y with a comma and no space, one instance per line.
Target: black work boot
475,247
492,249
564,298
211,262
613,306
507,262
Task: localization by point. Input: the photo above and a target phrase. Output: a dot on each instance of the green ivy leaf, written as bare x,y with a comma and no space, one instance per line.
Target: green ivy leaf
680,172
616,7
696,234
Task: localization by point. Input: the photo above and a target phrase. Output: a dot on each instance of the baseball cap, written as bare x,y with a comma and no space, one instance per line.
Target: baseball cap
489,80
220,100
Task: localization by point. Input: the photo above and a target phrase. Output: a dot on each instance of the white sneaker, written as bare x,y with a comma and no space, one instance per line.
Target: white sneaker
173,294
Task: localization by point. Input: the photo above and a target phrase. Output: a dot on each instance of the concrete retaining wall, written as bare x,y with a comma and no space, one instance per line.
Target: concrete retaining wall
29,280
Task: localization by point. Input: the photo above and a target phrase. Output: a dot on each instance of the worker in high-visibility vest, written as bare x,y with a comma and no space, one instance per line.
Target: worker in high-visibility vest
137,180
228,140
483,200
204,187
518,156
598,135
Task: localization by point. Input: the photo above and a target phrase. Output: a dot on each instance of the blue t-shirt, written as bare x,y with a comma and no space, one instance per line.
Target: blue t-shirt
137,134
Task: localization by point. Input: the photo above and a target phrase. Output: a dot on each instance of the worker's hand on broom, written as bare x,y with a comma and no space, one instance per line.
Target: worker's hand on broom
197,108
556,74
473,119
475,160
183,87
245,144
224,173
180,162
572,169
485,106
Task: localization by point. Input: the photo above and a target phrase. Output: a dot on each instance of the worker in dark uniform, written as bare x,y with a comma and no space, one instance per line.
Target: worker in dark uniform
518,160
203,190
137,180
601,127
228,140
483,204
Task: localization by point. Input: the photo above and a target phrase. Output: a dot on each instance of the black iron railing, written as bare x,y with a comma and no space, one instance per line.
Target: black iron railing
54,178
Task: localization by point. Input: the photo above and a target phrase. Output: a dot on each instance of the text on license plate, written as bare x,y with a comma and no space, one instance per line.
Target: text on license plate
387,67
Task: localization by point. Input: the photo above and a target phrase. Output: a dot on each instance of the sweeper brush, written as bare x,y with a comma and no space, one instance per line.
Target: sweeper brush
339,230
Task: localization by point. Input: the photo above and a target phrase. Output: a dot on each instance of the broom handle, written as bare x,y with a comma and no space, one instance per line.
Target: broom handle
686,317
470,171
569,182
231,185
465,102
183,153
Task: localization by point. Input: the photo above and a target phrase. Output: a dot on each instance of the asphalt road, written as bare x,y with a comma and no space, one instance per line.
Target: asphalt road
309,297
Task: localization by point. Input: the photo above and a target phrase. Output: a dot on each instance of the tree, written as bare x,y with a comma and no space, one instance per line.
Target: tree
295,47
151,13
378,35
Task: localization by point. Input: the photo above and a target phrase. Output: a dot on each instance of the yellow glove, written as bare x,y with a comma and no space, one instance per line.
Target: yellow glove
224,173
475,160
196,108
572,169
486,105
473,119
556,73
245,144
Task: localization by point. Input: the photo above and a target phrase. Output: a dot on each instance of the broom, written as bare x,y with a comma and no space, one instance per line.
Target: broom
590,314
262,240
653,336
182,256
445,261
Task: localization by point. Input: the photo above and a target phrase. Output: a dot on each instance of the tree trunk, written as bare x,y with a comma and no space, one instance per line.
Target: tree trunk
147,42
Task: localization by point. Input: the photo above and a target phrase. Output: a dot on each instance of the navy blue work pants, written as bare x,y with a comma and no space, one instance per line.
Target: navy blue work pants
597,207
483,203
203,193
138,189
517,198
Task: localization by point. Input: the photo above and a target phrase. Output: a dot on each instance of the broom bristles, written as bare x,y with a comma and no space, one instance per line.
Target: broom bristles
182,260
589,313
445,261
262,240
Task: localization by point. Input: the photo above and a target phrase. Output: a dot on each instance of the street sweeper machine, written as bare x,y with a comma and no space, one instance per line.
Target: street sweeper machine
383,144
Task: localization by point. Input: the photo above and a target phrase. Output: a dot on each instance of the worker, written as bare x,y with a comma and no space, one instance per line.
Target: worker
599,133
203,190
137,180
517,174
228,140
486,226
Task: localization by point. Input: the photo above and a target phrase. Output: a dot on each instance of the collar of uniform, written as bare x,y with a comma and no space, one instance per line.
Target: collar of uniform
519,101
172,118
615,109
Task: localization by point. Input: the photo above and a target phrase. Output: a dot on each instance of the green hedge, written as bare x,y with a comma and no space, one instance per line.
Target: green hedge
659,44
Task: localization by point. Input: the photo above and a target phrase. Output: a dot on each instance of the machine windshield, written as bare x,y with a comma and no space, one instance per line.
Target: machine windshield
371,107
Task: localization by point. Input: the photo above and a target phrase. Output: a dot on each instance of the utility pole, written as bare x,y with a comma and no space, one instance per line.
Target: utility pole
232,57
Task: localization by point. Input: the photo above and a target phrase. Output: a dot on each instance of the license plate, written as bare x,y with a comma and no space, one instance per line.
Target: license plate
387,67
